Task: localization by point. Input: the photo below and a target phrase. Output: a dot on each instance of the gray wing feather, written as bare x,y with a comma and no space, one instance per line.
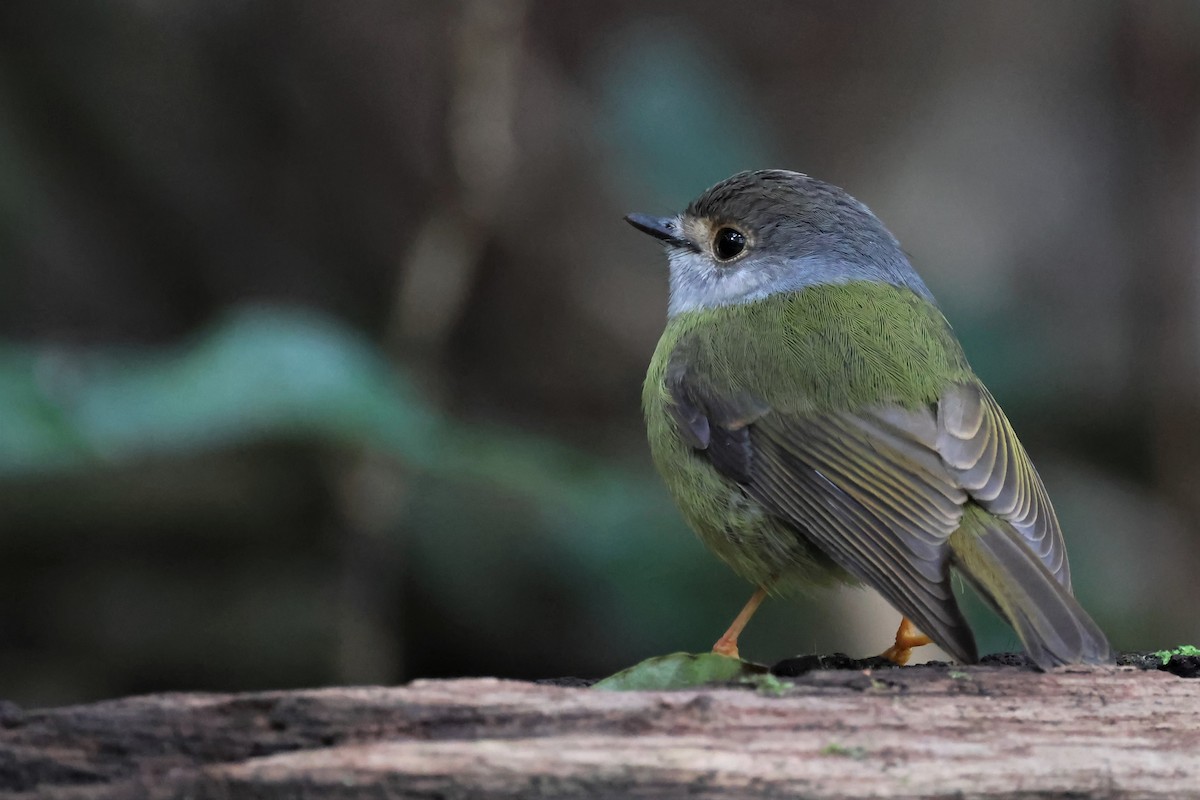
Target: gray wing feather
880,490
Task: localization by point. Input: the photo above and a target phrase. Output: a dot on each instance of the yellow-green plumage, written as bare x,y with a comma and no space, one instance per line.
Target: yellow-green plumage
828,348
815,419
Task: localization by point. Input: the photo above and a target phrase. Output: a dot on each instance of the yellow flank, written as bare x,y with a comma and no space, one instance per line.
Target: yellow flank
845,347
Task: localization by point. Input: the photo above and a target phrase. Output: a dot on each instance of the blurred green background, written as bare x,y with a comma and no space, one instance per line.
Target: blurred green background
322,337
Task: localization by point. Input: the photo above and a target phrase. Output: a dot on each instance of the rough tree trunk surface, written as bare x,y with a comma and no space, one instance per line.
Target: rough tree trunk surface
969,732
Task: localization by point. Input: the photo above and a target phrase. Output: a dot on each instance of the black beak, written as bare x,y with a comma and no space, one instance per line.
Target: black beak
664,228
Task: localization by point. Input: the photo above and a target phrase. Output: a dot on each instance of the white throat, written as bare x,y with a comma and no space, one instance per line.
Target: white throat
699,282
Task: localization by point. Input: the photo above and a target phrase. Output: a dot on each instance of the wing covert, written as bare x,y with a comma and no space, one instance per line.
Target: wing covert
880,490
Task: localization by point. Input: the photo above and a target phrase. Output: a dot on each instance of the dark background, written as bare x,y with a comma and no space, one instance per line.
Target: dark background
322,337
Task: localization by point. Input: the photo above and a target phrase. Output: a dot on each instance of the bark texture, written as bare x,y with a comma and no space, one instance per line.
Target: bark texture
918,732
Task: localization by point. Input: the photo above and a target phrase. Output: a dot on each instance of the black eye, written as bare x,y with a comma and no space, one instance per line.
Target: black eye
728,244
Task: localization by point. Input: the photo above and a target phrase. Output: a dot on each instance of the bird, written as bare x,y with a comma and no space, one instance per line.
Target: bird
816,421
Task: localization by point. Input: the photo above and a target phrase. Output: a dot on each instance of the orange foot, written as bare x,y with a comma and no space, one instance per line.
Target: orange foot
907,637
727,644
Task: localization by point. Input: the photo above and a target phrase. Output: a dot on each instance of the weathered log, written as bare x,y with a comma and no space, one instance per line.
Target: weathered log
917,732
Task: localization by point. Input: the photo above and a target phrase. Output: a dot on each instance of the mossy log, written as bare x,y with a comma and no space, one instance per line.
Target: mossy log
917,732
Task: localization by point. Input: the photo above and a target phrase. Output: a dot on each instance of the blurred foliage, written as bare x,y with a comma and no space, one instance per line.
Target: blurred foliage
263,373
258,373
682,671
321,338
650,73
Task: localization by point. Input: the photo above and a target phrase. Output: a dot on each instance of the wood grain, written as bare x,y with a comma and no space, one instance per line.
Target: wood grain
918,732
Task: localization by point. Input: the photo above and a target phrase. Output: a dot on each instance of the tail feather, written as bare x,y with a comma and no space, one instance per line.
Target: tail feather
1052,625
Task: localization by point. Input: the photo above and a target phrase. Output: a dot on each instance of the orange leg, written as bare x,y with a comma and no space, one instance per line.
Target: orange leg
907,637
727,644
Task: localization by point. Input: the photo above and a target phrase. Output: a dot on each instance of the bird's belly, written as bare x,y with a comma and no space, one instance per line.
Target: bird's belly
756,544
